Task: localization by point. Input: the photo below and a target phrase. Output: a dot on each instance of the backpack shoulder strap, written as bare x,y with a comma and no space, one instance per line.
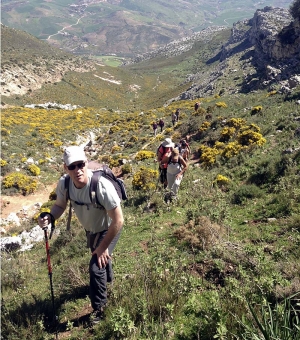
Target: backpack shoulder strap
67,198
93,189
67,184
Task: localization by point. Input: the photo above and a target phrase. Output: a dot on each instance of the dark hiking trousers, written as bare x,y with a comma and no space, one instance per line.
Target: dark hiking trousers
100,276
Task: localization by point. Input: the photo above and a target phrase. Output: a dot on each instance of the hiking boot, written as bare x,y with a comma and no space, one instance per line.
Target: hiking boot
96,316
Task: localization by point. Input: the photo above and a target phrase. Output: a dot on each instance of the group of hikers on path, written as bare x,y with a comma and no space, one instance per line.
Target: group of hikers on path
155,126
172,159
160,123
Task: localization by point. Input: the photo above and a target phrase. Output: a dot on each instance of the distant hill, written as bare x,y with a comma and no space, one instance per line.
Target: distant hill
259,53
33,72
120,27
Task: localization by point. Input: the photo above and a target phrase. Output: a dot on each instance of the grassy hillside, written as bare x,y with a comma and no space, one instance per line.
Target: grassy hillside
97,84
183,268
220,262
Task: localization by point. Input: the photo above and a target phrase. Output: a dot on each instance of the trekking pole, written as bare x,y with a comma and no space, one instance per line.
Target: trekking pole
43,214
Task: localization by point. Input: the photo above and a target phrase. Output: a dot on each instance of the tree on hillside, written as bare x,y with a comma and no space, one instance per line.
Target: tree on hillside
295,9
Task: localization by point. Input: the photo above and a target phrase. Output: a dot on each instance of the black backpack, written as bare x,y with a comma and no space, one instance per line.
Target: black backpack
107,173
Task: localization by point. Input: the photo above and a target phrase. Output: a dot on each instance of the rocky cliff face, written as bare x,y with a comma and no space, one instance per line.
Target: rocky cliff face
23,78
274,34
28,63
265,48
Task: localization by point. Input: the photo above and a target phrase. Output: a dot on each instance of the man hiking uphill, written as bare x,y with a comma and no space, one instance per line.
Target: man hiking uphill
163,154
103,226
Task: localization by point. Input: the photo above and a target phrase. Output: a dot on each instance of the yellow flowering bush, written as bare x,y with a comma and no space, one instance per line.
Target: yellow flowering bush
113,163
158,137
30,144
221,180
23,183
200,112
227,132
236,122
56,143
36,215
168,131
176,136
248,137
2,162
115,148
34,170
221,104
256,109
204,126
41,161
253,127
231,149
105,159
219,145
208,156
144,154
114,129
132,126
4,132
145,179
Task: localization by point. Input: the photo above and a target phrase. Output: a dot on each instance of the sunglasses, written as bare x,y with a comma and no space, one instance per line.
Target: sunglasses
78,165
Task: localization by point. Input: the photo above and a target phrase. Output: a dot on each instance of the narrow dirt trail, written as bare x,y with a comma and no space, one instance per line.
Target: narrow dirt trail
13,204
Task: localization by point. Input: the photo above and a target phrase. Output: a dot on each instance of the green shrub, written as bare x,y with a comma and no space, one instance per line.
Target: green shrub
244,192
126,168
268,171
279,206
202,315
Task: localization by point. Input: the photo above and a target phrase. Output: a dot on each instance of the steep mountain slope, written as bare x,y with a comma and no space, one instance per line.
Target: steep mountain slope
262,52
222,260
32,73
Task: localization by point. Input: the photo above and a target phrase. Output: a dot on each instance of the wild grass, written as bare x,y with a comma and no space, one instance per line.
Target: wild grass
220,262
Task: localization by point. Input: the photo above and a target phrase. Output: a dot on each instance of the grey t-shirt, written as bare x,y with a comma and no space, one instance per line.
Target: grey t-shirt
91,218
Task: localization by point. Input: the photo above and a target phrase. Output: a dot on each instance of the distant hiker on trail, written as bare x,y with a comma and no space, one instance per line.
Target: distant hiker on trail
103,226
161,123
174,118
177,112
185,150
197,105
163,154
154,127
175,170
